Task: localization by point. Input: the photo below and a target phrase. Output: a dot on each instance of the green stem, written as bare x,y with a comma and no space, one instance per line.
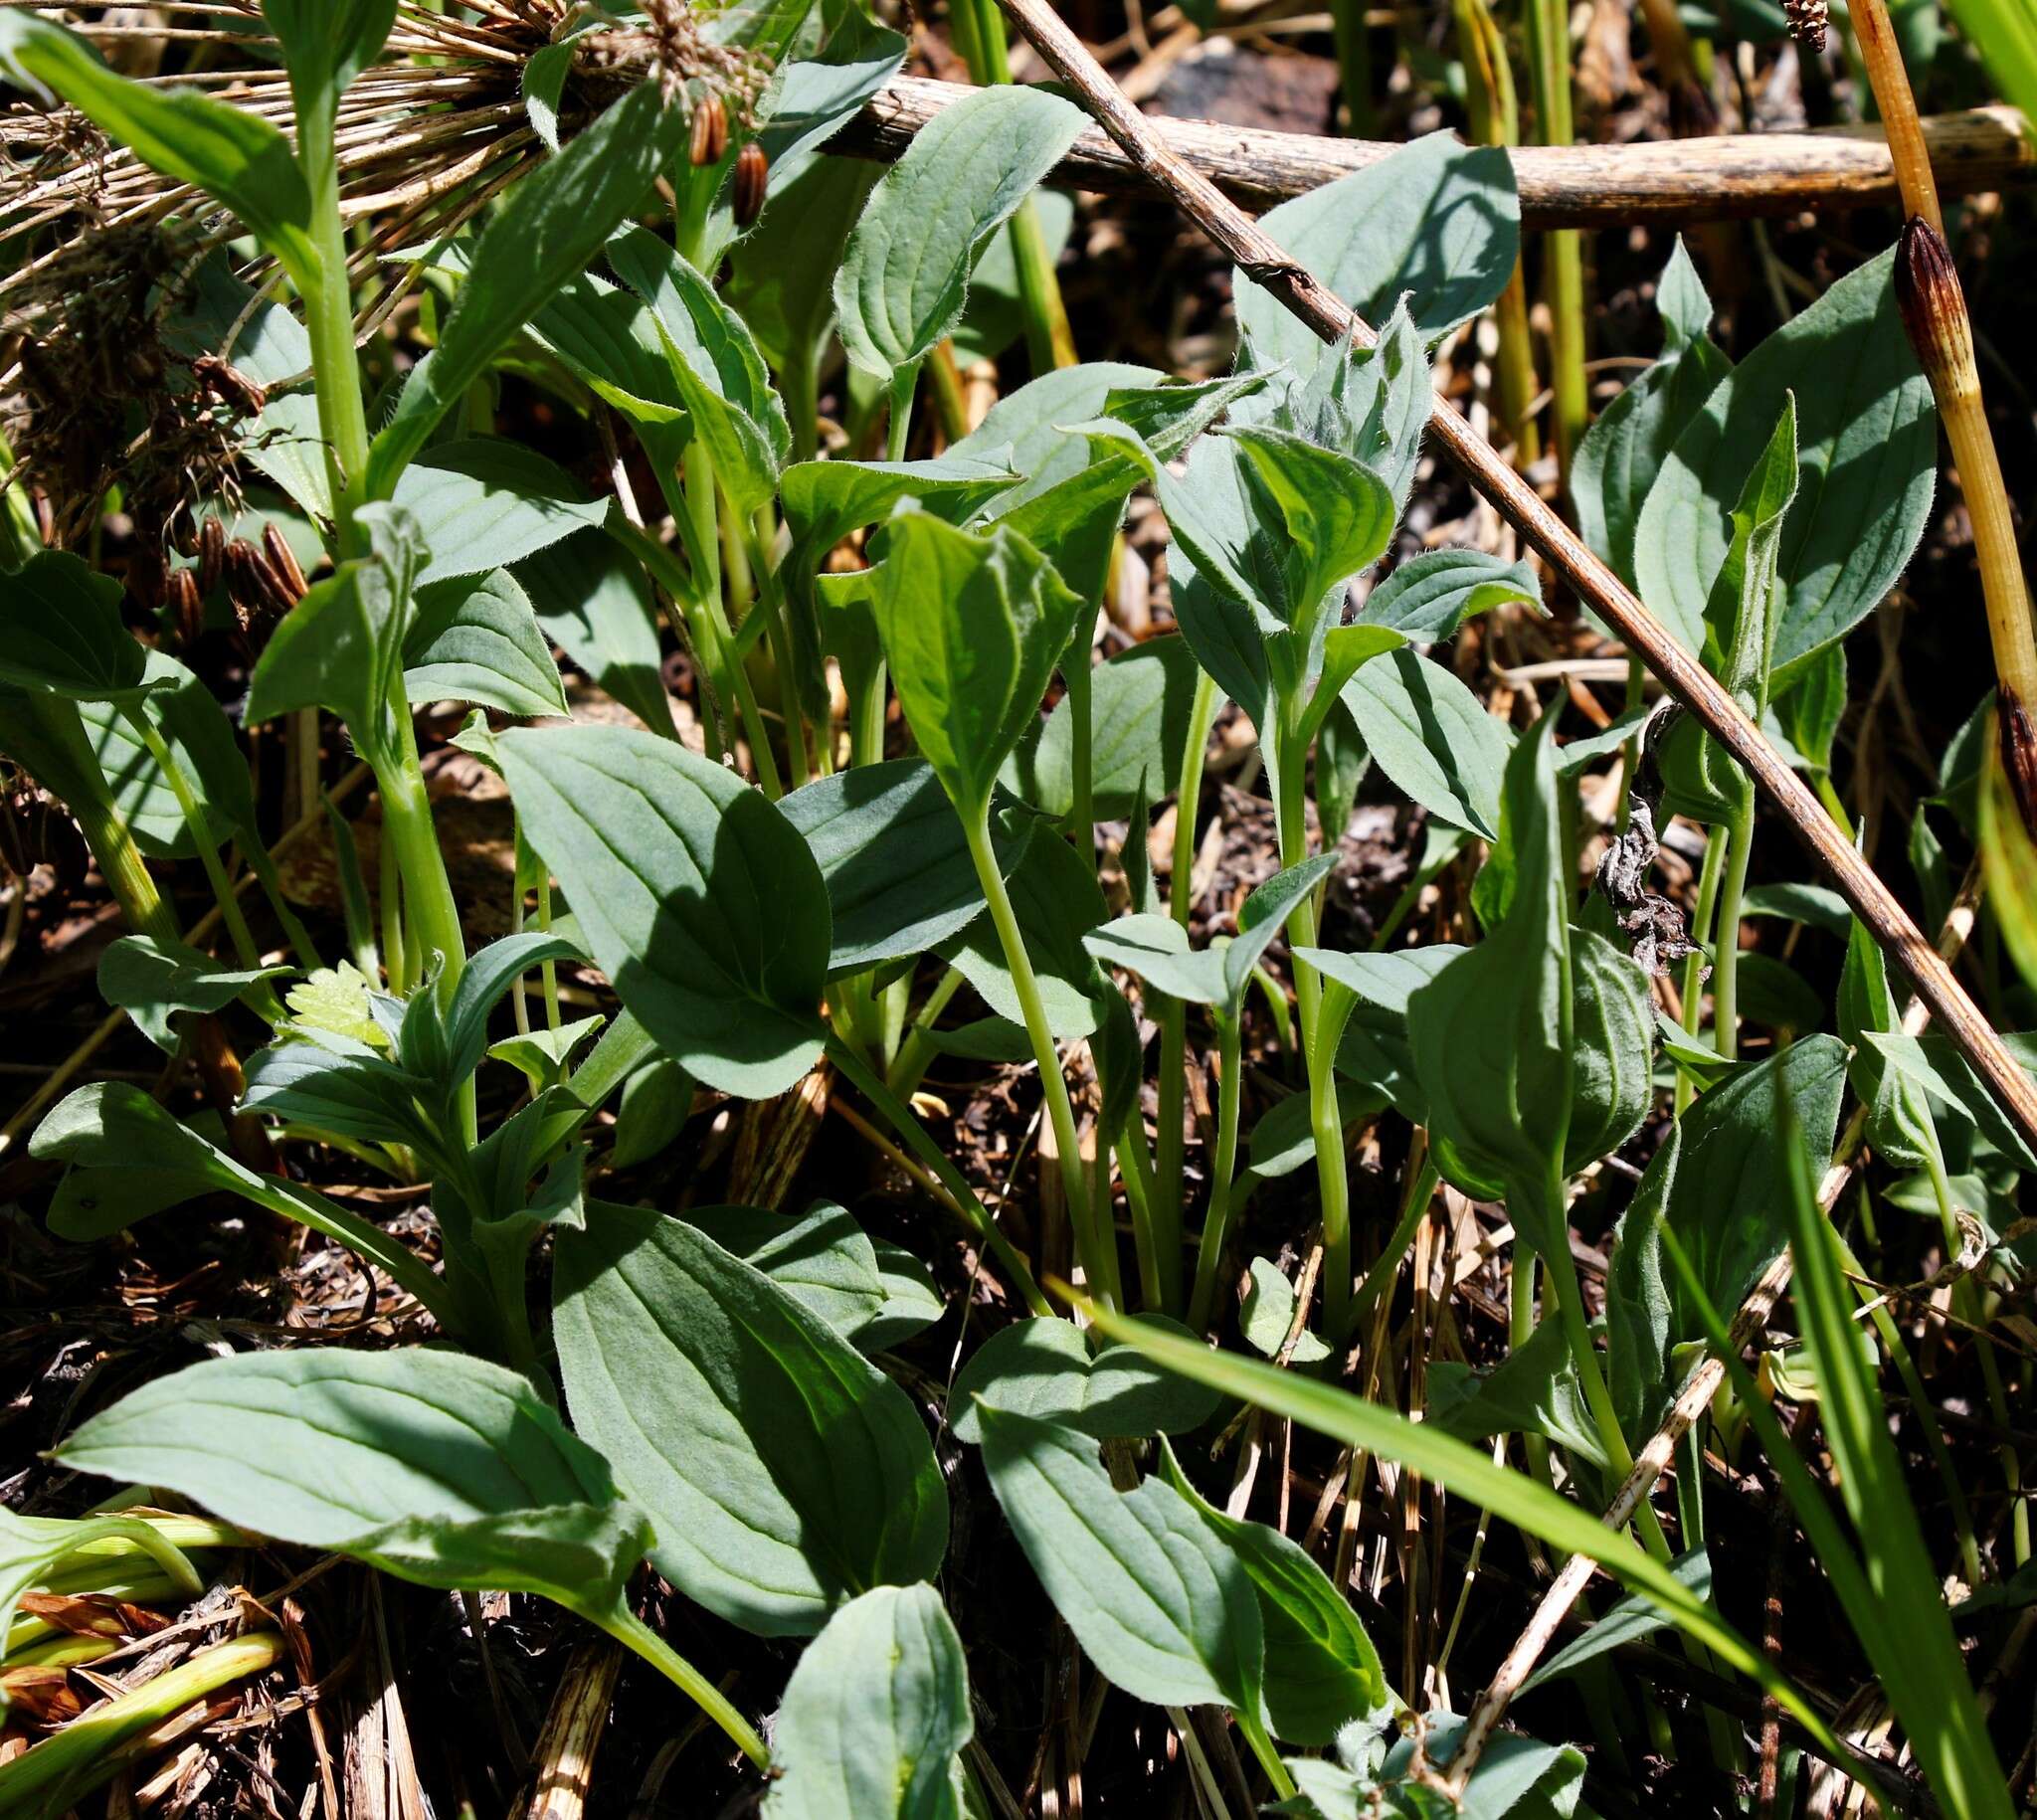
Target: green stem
1355,68
1693,967
433,911
1050,343
1098,1251
1422,1188
898,429
1229,1094
63,1768
1570,1297
1254,1730
1549,65
899,1116
909,1066
799,381
770,603
1726,941
1135,1168
120,864
1083,749
1169,1190
329,324
201,836
634,1634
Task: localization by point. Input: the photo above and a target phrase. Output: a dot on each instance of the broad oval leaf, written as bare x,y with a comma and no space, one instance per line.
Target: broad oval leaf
874,1714
784,1472
973,624
904,278
697,898
1044,1369
433,1466
61,631
1321,1670
487,503
895,859
1491,1034
1612,1037
151,981
1429,596
1867,457
1139,711
1436,218
1158,1602
479,641
1433,738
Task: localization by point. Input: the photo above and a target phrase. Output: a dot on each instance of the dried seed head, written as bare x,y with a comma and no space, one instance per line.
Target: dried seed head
212,555
284,560
1807,19
752,178
1932,306
710,131
186,602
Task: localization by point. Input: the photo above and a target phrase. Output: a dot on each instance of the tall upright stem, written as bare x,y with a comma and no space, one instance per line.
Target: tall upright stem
1098,1251
1726,940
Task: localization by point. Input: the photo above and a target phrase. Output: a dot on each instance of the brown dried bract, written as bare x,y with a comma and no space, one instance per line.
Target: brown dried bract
753,180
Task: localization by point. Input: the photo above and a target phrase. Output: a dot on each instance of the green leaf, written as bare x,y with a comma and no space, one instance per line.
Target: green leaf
719,368
1492,1037
1935,1064
487,503
820,1257
545,1056
1624,448
874,1716
1429,596
1630,1621
904,278
1139,709
151,981
1044,1368
895,859
912,1300
592,602
973,624
1867,455
697,898
1533,1391
60,632
1700,779
1814,906
993,319
1613,1034
1730,1181
782,281
551,227
1321,1670
479,641
1433,738
1285,1139
1905,1631
432,1466
1467,1472
1161,1607
326,44
232,155
657,1101
1268,1309
611,342
784,1472
341,647
1436,217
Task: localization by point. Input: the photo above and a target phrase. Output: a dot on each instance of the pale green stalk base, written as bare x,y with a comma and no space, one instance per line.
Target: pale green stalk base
634,1634
64,1767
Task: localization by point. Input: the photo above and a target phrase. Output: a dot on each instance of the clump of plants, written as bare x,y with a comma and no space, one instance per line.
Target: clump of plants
818,794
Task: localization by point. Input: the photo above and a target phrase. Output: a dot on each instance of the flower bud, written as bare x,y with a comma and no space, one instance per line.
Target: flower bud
1934,307
284,560
710,131
752,177
212,555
